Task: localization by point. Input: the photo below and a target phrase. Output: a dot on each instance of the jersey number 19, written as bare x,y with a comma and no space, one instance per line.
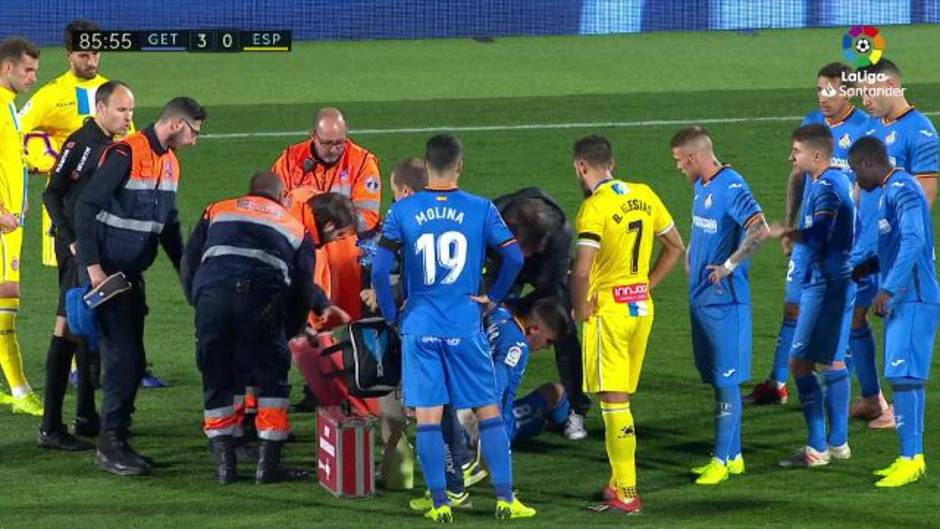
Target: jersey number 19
449,251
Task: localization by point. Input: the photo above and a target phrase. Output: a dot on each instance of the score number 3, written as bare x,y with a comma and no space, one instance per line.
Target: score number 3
449,251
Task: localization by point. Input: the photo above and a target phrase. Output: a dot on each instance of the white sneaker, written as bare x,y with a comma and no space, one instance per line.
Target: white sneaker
807,457
840,452
574,427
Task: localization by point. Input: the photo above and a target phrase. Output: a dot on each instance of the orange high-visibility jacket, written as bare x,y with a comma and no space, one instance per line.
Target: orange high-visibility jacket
355,175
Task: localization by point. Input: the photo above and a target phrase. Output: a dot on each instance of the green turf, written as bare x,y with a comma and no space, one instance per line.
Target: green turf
459,83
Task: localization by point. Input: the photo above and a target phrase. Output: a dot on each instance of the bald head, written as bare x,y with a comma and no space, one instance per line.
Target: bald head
329,120
266,184
329,134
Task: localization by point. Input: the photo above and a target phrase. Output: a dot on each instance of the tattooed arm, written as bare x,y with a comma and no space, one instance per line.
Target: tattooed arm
757,231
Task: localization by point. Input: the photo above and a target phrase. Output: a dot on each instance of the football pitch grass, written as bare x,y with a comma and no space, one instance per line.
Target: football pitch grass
496,88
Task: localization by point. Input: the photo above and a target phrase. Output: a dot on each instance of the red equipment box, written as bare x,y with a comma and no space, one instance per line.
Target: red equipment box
345,464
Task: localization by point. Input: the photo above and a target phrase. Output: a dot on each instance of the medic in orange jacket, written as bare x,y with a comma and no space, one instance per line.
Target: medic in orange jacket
329,161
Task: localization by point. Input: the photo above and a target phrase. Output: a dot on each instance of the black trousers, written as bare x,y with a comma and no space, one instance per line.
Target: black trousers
241,342
58,365
120,323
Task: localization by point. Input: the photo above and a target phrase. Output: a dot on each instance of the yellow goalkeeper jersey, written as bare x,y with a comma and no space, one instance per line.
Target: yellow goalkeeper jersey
621,220
12,165
60,108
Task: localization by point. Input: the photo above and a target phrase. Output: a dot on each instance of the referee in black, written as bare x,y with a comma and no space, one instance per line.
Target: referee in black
114,109
545,237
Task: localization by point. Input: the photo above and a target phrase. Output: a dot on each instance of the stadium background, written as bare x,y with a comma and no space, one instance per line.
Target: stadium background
517,103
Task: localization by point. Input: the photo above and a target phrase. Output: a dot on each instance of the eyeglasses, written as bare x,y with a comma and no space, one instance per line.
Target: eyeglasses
192,128
335,144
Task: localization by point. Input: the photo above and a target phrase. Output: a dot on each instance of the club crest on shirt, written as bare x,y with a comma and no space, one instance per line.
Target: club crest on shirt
845,141
884,226
708,201
891,138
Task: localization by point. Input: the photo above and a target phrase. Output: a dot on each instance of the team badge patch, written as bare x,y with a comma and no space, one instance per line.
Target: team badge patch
373,185
845,141
891,138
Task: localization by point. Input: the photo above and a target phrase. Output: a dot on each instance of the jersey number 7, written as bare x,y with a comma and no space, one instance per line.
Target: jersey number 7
636,227
449,251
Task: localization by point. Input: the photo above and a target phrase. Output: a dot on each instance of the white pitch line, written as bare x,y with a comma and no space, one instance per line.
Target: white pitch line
527,126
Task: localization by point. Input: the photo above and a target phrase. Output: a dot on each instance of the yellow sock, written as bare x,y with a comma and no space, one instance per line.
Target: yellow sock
10,359
620,439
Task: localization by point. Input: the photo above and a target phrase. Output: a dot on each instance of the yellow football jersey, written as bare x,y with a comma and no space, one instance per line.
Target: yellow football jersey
60,108
621,220
12,168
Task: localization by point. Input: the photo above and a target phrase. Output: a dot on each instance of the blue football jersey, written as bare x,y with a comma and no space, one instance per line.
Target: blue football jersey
905,242
831,195
721,210
510,358
845,131
911,141
443,236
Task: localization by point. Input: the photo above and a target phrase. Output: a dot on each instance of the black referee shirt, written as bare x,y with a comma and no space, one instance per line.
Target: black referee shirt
75,167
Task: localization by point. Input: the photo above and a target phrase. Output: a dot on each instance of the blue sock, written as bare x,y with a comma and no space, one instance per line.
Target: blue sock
908,407
453,473
431,456
921,394
838,393
562,410
813,410
496,453
735,449
862,346
457,454
781,370
727,414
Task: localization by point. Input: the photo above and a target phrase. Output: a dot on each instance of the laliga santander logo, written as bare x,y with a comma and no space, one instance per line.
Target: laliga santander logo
863,46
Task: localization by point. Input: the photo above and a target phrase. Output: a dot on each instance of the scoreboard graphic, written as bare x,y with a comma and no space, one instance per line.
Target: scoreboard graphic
184,40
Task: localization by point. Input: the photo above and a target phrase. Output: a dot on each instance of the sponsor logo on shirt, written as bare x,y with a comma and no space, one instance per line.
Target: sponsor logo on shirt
631,293
705,223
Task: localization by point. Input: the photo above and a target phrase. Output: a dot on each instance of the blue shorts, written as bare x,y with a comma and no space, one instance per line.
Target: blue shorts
721,343
910,329
455,371
822,329
867,290
796,272
530,414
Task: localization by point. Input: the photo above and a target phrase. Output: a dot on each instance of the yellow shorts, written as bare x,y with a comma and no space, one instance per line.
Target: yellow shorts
613,348
10,245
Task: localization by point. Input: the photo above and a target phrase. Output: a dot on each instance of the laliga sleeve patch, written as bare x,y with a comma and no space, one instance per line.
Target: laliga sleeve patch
513,355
